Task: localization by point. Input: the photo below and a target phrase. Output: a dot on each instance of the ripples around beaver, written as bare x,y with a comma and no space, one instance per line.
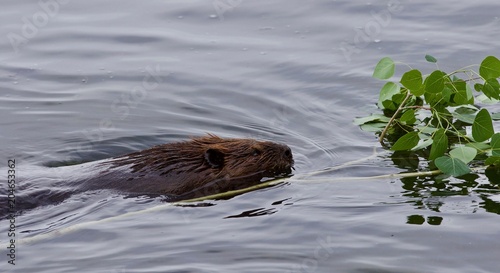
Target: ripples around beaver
198,167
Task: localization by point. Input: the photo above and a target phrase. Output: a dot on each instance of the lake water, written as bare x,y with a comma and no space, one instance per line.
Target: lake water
86,80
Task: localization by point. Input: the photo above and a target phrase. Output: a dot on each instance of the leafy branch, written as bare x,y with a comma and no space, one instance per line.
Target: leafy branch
438,114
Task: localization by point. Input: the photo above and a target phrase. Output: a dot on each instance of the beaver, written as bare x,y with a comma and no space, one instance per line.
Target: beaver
198,167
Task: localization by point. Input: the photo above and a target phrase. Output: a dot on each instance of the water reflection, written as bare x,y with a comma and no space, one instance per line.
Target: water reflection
443,193
420,219
490,205
254,212
262,211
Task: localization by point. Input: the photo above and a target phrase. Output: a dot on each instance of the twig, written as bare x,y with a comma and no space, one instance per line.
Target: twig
400,108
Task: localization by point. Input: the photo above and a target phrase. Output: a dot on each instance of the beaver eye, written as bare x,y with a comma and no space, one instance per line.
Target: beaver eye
256,152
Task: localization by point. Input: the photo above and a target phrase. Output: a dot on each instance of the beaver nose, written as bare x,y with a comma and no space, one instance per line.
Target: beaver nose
288,153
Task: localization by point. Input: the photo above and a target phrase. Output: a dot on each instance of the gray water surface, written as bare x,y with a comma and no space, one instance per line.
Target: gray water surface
86,80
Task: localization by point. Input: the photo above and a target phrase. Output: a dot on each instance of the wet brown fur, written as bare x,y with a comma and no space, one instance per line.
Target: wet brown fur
221,163
194,168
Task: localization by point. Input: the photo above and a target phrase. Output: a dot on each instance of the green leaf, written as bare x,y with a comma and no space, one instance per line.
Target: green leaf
492,160
384,69
389,104
468,109
430,59
451,166
408,117
406,142
491,89
495,116
465,113
490,68
424,144
439,144
371,118
467,118
479,146
433,98
447,94
398,98
413,81
463,95
435,82
418,92
373,127
482,128
442,110
466,154
495,144
458,84
484,99
470,96
426,129
388,90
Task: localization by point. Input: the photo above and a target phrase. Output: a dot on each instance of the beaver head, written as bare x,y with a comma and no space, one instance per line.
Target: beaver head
208,162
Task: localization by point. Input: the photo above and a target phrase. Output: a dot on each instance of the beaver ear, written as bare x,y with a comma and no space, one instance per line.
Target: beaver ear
214,158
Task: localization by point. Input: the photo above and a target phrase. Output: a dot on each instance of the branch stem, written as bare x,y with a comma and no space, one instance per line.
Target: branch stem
400,108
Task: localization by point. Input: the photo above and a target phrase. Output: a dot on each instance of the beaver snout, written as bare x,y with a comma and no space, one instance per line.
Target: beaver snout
285,161
288,155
